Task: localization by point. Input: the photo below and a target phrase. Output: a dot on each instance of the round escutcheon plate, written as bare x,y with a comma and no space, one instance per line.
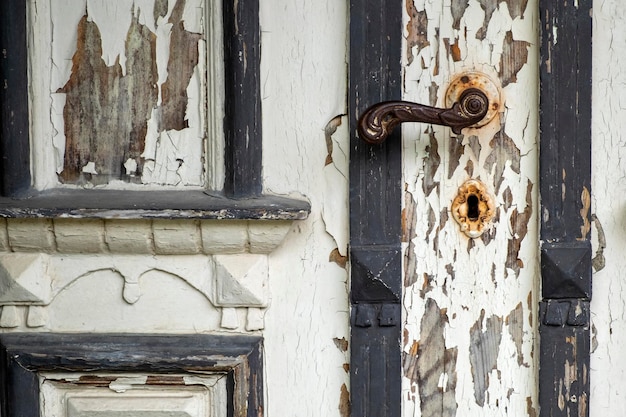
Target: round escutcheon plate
480,81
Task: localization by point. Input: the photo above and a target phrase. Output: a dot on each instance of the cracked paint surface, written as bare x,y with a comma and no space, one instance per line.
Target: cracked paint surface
608,198
486,286
127,102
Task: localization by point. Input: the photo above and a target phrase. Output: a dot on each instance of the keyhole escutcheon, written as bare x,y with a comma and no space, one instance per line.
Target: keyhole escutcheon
473,208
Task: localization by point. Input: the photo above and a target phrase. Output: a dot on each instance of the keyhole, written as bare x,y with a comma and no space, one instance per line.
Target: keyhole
472,207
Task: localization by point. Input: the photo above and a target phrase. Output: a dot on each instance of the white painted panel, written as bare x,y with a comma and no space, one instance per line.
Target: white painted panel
130,396
608,188
470,304
171,156
304,92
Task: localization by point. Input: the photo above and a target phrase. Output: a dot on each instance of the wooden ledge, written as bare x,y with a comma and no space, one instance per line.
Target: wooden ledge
170,204
145,222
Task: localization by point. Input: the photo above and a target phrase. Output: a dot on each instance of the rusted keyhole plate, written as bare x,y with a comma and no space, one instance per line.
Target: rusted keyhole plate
477,80
473,208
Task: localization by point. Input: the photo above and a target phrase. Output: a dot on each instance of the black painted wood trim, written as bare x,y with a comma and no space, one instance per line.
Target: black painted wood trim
375,210
110,204
565,182
24,355
242,121
14,124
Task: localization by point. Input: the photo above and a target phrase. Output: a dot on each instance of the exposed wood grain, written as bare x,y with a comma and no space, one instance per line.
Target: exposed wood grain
180,67
417,29
519,226
565,99
242,107
106,112
428,361
375,216
484,349
514,57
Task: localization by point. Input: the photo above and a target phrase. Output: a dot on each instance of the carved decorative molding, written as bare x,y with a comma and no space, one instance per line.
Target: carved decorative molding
32,281
146,237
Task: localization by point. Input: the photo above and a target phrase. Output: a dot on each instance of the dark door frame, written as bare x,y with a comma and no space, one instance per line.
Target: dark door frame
375,210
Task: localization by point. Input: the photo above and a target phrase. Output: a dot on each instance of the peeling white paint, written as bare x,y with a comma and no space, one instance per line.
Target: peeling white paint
174,157
608,188
465,275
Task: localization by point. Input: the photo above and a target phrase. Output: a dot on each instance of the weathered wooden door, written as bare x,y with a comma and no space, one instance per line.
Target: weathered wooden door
463,303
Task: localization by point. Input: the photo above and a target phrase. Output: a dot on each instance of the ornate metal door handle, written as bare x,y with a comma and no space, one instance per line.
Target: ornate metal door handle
379,120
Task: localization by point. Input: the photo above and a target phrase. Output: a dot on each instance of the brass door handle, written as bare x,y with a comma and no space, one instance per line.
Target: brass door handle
378,121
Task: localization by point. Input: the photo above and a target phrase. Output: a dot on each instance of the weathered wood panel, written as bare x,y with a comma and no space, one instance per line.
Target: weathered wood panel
242,113
14,116
24,356
130,106
304,94
476,297
375,226
565,161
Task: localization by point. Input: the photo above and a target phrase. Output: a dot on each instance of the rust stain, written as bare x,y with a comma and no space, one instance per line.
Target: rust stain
344,401
417,29
342,344
519,226
458,8
106,112
452,49
338,258
346,367
585,198
432,367
515,322
329,131
514,56
504,152
484,348
456,150
431,165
